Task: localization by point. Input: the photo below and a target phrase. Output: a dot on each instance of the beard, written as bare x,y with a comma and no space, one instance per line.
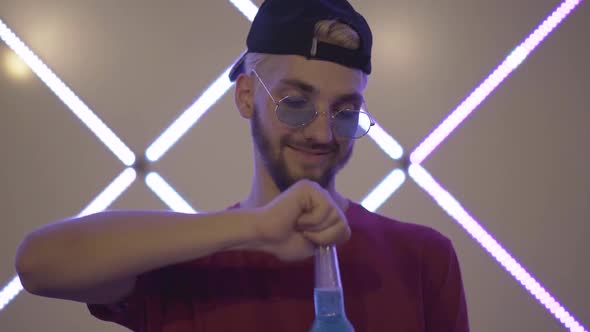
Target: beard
275,163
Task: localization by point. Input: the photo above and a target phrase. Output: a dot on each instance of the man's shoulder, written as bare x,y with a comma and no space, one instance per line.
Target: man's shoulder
361,218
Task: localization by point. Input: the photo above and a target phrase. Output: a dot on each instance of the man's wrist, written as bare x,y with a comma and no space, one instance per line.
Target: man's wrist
246,224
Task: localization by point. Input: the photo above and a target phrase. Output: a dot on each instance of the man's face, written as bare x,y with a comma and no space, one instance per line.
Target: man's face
311,152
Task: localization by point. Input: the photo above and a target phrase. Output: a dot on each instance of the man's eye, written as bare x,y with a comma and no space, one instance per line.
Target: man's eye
350,107
295,102
348,115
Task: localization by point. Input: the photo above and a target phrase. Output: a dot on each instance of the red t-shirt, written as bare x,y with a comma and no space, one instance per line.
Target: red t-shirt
396,277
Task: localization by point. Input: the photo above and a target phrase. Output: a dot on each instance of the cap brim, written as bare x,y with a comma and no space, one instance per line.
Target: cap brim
238,67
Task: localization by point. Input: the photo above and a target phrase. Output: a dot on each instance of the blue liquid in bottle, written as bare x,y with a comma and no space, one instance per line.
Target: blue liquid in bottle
330,315
329,307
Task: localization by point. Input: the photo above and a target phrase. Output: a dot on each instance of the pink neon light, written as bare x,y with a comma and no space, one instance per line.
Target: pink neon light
512,61
451,206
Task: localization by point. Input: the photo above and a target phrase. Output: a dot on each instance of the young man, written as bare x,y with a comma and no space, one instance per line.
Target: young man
250,268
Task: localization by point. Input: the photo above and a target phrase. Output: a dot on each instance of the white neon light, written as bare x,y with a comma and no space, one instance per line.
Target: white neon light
111,192
381,192
246,7
189,117
386,142
67,96
513,60
9,292
167,194
451,206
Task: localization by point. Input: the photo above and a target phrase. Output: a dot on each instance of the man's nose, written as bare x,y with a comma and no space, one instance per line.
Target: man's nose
320,129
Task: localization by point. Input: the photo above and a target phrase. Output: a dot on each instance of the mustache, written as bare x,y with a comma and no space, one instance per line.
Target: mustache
310,145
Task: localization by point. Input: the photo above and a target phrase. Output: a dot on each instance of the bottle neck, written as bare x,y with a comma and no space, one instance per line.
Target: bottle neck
327,272
328,287
329,302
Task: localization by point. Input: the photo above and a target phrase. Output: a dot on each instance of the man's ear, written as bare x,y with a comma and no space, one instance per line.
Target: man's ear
244,95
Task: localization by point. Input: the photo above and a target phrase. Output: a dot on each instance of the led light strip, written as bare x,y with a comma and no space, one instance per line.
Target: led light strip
9,292
387,143
246,7
518,55
105,135
111,192
93,122
381,192
189,118
452,122
101,202
67,96
167,194
452,207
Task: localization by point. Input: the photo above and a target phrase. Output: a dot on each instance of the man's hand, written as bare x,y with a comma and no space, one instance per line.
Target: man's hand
298,220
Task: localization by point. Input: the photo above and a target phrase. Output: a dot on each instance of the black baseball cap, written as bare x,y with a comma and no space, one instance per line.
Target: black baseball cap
288,26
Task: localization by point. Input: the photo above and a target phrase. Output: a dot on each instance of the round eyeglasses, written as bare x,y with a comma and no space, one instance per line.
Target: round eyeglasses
298,112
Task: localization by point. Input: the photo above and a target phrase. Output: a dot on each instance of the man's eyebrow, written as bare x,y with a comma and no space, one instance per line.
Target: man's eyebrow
305,87
350,98
353,97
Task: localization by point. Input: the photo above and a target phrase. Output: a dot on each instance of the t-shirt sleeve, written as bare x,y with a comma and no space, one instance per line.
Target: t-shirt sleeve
445,308
128,312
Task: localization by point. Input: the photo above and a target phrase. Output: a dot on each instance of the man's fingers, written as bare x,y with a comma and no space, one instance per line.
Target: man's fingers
318,219
336,234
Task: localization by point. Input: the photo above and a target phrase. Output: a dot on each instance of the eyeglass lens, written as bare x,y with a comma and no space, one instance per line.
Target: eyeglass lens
296,112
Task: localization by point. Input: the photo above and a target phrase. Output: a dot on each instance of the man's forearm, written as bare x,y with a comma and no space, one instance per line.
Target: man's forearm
80,253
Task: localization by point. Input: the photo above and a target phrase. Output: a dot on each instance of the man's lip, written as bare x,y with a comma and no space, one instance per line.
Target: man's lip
318,152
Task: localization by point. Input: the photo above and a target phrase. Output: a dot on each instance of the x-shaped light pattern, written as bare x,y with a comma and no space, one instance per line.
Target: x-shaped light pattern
372,201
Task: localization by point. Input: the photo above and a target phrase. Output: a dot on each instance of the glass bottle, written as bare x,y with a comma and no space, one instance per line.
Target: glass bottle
328,298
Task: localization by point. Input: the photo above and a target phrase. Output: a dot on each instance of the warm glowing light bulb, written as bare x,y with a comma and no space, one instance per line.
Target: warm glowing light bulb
14,66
